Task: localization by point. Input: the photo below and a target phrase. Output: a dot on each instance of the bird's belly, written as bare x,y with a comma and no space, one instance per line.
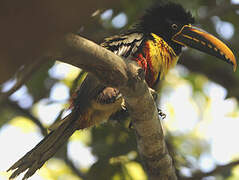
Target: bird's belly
101,112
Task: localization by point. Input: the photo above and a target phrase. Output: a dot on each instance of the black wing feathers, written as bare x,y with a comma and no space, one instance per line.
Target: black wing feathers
124,45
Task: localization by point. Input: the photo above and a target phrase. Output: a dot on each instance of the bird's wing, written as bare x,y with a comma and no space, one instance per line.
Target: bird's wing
124,45
91,89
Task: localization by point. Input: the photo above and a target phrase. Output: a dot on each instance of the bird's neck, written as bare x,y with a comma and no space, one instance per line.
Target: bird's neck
156,59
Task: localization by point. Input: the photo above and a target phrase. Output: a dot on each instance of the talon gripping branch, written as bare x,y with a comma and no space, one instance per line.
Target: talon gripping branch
155,43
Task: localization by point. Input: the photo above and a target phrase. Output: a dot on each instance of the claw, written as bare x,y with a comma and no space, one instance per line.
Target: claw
162,115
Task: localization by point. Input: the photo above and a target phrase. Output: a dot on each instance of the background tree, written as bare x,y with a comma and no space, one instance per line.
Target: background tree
201,124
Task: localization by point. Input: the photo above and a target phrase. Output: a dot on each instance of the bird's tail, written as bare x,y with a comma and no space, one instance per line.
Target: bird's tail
46,148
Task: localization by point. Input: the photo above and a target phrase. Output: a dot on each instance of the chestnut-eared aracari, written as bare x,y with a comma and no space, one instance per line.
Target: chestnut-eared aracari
155,42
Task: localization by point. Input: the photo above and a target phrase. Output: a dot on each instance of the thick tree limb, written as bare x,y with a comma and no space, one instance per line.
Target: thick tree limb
150,139
80,52
129,79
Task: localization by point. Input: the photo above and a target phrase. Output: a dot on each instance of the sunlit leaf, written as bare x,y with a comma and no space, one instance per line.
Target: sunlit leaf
82,135
25,124
57,169
136,171
235,173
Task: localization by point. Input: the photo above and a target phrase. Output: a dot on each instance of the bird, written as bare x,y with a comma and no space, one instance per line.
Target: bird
155,43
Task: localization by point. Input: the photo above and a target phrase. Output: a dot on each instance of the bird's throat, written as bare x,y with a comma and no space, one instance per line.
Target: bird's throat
156,59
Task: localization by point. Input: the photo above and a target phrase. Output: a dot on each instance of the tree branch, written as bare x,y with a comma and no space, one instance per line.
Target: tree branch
217,72
91,57
24,76
218,170
28,114
150,138
74,169
129,79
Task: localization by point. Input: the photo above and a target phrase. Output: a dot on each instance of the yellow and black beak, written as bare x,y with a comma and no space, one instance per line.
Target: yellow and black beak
197,38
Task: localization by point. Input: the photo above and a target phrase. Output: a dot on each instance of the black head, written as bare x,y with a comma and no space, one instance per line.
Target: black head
172,22
165,19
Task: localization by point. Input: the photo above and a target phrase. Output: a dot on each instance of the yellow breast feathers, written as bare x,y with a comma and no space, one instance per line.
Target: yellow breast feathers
162,56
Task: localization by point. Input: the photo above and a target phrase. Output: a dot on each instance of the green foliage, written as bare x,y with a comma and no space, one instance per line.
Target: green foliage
40,84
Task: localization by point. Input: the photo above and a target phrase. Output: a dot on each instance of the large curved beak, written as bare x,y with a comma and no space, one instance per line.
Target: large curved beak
199,39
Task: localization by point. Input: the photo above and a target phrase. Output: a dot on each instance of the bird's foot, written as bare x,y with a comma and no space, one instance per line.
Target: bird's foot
161,114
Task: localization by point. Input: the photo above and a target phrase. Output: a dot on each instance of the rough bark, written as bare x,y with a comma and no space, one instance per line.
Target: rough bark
80,52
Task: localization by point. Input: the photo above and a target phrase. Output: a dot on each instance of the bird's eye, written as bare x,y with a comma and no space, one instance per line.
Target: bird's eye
174,26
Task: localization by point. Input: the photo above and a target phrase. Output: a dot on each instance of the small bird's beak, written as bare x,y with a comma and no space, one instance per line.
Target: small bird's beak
199,39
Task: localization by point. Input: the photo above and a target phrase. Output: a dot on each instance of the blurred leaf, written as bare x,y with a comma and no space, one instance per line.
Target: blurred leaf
83,136
6,114
40,83
136,171
25,124
235,173
197,81
57,169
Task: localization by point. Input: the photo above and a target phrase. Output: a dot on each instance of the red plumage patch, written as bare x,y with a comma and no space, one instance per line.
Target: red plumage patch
144,61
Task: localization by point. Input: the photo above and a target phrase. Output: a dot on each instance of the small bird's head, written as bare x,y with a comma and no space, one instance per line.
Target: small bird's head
173,23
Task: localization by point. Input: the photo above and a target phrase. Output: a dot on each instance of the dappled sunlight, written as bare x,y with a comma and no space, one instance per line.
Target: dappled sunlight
57,169
83,136
107,14
62,70
8,85
80,154
59,92
225,134
14,143
46,112
183,112
136,171
224,29
24,124
209,119
235,173
120,20
22,97
234,1
206,162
